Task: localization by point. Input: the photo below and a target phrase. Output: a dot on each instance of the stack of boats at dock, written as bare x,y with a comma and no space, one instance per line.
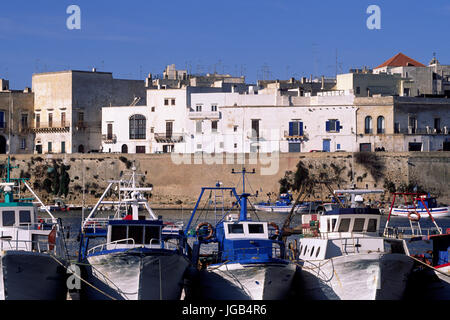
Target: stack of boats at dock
133,254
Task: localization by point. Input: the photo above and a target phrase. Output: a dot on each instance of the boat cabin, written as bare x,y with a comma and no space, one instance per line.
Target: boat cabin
350,221
246,241
20,230
129,233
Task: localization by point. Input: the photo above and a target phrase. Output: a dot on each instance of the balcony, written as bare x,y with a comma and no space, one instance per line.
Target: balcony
421,131
294,135
109,138
169,137
51,127
204,115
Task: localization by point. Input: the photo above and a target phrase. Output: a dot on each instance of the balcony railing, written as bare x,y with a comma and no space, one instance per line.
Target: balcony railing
109,138
429,130
204,115
54,126
169,137
293,135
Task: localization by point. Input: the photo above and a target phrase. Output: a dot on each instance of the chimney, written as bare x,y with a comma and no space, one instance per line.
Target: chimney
94,69
323,83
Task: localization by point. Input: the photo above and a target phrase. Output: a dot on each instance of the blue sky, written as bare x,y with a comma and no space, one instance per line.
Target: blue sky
286,37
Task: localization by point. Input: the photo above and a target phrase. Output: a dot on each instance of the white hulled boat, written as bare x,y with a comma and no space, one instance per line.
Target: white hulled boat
349,260
140,258
33,256
419,204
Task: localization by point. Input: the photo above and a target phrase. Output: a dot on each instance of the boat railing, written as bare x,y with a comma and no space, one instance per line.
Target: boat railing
96,224
26,245
408,232
348,234
111,245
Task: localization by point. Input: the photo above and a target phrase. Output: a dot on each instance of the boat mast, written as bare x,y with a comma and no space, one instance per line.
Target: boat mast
244,196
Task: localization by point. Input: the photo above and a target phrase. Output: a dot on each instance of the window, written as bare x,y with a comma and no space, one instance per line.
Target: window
372,225
23,143
415,146
235,145
137,126
172,102
118,233
412,125
63,119
380,125
306,248
49,147
344,225
338,146
214,126
136,233
358,90
153,109
140,149
333,125
50,120
109,134
2,120
80,148
235,128
152,130
235,228
63,147
24,121
199,146
38,120
8,218
198,126
312,251
169,129
80,118
214,108
152,233
255,228
317,252
396,127
255,128
166,102
198,108
295,128
437,125
368,125
358,225
333,224
24,217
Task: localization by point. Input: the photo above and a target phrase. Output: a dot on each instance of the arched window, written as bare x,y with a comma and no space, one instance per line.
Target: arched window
380,124
368,125
137,127
124,148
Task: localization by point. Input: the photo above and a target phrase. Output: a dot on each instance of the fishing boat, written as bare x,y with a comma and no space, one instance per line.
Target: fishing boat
247,261
282,205
139,256
418,205
33,256
350,260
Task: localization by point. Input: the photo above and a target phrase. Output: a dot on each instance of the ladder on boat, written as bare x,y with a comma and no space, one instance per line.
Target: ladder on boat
345,244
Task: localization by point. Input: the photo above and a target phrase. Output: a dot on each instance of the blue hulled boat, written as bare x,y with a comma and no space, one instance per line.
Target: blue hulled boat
247,261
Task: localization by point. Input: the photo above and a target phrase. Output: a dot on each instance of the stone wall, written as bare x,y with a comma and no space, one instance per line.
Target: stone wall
182,182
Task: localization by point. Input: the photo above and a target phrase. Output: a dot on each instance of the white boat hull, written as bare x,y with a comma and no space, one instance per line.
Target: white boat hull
125,276
435,212
31,276
235,281
372,276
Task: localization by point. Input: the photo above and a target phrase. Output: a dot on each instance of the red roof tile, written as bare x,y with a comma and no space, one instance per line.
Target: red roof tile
400,60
